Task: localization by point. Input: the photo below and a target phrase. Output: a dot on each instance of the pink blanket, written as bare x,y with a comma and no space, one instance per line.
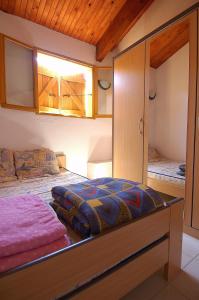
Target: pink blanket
26,223
12,261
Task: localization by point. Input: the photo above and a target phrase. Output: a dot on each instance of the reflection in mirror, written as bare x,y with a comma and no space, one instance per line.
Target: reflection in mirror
104,91
167,119
19,74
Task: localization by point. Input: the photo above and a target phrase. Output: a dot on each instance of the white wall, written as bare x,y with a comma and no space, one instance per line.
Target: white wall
157,14
80,139
168,113
152,106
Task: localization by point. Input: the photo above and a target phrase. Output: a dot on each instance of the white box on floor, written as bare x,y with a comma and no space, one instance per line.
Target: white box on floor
97,169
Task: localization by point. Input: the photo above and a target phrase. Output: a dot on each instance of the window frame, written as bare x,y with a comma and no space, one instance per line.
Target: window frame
47,52
35,50
95,81
3,100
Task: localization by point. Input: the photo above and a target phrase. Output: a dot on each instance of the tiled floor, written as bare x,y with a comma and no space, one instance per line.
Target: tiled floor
184,287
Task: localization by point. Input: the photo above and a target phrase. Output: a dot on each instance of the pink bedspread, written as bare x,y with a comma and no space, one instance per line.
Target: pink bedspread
26,222
12,261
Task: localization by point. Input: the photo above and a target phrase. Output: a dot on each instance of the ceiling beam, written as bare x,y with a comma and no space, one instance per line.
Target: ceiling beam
168,42
129,14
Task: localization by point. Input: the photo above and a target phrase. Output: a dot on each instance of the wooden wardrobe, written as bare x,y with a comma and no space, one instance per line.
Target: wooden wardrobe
130,115
129,95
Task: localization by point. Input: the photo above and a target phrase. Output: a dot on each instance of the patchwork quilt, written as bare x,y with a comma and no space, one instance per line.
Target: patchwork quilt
92,206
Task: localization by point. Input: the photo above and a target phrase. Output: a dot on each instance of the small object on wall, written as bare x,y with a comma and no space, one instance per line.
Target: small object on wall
97,169
152,95
104,84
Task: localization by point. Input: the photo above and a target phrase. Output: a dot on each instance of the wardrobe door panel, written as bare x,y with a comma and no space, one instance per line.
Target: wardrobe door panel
195,211
191,119
129,95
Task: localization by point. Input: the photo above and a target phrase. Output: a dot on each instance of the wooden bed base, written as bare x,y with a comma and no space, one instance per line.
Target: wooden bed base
169,188
104,267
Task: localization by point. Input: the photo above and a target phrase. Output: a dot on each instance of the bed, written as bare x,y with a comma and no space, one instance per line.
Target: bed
109,264
39,186
162,176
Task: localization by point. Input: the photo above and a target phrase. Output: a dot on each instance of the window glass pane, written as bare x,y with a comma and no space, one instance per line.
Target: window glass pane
64,87
104,91
19,74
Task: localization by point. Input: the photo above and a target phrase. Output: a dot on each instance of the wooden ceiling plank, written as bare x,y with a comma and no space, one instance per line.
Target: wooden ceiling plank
83,7
17,10
28,9
94,20
102,21
4,4
23,7
89,29
66,16
57,13
85,16
167,43
51,13
62,15
124,20
10,6
45,12
35,9
40,11
92,32
71,17
111,11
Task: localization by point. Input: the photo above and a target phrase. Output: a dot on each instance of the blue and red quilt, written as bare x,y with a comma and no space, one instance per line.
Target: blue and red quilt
93,206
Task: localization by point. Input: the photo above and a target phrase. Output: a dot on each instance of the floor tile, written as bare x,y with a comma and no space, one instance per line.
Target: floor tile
190,246
185,286
188,281
186,259
149,288
170,293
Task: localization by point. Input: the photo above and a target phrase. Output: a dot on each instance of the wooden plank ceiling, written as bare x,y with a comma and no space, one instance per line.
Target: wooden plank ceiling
168,43
98,22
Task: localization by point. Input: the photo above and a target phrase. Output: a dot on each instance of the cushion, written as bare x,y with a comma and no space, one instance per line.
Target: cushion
7,169
153,154
35,163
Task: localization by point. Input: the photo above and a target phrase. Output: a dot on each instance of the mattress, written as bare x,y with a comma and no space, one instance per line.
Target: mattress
165,170
38,186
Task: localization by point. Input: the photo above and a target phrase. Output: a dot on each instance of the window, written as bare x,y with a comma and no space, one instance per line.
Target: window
36,80
19,77
64,86
103,92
